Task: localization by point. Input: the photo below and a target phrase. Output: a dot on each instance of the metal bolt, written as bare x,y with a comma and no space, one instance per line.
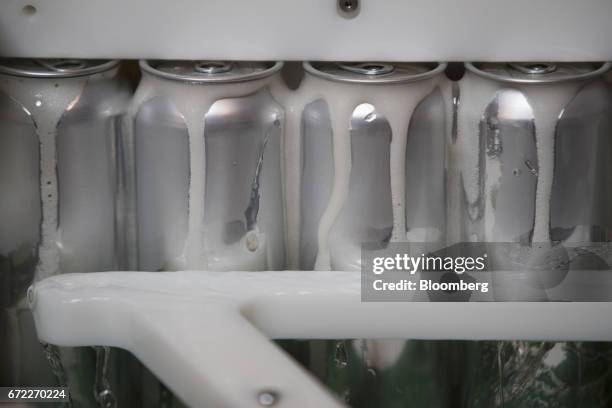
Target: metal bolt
267,398
31,296
348,8
106,399
537,68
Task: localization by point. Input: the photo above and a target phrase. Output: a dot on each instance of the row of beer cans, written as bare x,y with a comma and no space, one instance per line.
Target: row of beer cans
216,165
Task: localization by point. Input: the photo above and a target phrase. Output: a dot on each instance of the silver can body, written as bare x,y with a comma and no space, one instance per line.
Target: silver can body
373,112
207,154
532,152
59,128
373,170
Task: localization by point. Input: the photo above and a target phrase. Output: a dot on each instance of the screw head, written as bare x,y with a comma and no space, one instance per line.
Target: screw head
267,398
348,8
31,296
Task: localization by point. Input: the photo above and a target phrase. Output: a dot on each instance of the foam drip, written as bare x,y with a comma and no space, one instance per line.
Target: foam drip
548,103
396,103
47,103
340,111
294,103
194,101
475,95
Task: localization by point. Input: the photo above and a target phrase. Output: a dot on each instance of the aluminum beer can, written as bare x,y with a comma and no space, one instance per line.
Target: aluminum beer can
531,164
530,161
207,154
60,123
372,139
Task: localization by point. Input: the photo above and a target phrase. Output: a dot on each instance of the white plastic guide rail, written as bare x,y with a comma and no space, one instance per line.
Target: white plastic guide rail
205,334
392,30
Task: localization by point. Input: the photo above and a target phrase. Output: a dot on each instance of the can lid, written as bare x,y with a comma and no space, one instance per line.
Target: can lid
374,72
54,68
211,71
537,72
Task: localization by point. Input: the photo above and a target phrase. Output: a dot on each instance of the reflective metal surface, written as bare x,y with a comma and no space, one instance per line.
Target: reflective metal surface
581,201
509,172
538,73
317,177
360,73
211,71
534,118
20,212
426,166
162,182
59,125
367,214
242,222
54,68
510,175
243,195
87,135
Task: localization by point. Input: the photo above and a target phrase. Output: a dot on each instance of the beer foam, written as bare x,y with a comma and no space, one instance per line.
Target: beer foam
475,95
548,102
396,102
193,101
47,104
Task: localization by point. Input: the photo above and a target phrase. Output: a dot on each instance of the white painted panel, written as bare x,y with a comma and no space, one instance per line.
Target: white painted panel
309,29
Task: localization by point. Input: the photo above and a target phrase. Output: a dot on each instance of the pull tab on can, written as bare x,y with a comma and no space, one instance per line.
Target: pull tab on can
367,68
535,68
62,65
212,67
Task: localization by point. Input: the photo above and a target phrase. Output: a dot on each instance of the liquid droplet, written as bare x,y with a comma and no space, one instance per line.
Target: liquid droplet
52,353
341,354
532,169
102,389
252,242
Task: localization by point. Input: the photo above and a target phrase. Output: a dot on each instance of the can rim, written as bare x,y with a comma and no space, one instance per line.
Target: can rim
60,73
473,67
373,79
276,67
